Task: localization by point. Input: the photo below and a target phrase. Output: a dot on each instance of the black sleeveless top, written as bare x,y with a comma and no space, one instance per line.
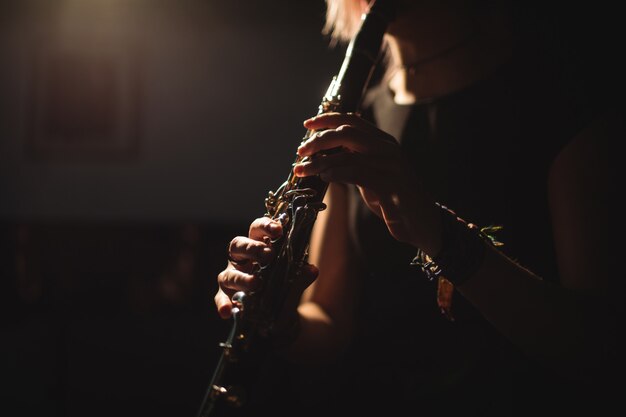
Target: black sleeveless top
485,152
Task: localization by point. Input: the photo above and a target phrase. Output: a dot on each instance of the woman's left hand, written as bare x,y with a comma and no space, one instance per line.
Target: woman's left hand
372,160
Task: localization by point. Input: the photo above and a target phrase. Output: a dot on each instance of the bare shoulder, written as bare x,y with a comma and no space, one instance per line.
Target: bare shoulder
593,141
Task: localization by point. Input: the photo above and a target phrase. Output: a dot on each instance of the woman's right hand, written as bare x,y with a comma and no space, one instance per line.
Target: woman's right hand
244,256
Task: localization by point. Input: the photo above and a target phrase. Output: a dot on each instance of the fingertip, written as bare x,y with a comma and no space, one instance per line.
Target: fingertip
275,229
297,170
223,304
225,311
310,121
315,121
265,257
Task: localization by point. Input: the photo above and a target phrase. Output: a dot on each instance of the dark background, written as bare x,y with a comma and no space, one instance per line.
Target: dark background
136,139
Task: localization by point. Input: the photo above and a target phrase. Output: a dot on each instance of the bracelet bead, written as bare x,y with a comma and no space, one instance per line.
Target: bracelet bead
462,252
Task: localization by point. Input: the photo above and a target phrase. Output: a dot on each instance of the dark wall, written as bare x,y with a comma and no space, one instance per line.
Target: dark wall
154,109
109,318
136,139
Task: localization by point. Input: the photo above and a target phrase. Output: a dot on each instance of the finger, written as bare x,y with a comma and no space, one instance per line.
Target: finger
344,167
243,251
232,279
350,137
333,120
265,227
223,304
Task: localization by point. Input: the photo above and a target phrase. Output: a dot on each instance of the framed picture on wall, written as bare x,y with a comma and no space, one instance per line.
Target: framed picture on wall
83,105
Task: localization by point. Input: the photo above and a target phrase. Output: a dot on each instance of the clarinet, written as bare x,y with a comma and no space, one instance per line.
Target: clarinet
295,204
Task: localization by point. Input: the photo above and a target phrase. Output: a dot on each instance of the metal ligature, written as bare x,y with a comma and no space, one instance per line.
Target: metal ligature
295,204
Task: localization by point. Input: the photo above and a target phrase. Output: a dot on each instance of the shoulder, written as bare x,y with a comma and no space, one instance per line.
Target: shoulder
587,155
582,179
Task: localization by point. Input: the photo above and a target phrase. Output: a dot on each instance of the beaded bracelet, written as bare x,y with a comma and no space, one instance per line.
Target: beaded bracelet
462,252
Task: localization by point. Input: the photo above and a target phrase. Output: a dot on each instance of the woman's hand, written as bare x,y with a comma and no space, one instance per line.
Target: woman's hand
374,161
245,254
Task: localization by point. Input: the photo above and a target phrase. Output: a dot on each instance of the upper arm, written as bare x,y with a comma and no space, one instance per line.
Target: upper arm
580,184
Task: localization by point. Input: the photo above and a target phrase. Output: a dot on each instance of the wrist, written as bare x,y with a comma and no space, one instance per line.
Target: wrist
429,237
459,253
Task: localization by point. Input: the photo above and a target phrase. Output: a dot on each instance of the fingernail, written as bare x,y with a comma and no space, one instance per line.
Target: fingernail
299,168
273,226
304,146
303,152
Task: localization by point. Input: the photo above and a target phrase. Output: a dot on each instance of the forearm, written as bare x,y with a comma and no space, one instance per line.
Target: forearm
563,328
327,307
577,323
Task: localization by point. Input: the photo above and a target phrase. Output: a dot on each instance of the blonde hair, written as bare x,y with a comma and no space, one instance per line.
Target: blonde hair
343,19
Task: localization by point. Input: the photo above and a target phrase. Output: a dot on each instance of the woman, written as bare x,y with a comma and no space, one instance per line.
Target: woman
478,112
